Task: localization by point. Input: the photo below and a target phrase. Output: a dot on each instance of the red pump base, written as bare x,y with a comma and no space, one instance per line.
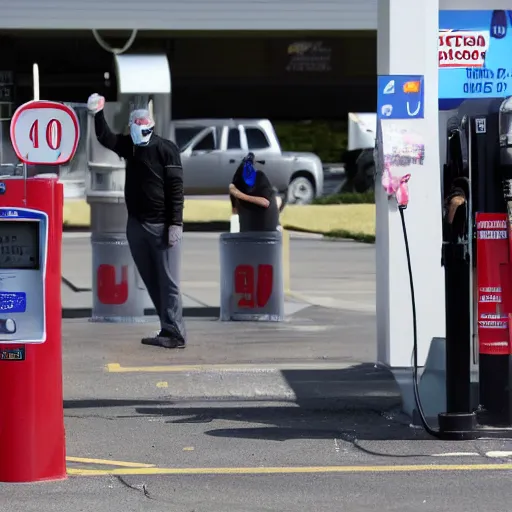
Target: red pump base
32,437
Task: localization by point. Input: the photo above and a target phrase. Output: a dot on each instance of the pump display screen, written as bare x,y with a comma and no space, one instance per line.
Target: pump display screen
19,245
475,49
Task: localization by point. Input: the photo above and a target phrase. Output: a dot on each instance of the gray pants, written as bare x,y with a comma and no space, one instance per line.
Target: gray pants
159,267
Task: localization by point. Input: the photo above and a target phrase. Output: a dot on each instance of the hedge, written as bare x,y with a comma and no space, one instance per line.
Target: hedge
347,198
327,139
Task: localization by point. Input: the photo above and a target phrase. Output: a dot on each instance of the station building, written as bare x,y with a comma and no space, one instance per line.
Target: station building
281,59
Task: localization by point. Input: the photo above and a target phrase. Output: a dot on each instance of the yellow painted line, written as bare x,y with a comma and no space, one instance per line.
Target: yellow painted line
117,368
162,384
290,470
108,462
299,297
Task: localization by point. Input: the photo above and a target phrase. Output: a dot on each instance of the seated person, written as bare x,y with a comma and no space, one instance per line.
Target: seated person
253,198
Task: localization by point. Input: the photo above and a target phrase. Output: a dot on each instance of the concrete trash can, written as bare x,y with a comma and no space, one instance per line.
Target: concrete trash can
251,276
119,294
118,291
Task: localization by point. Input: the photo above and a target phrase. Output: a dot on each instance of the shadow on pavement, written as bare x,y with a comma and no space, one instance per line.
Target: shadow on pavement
359,403
366,408
93,403
191,312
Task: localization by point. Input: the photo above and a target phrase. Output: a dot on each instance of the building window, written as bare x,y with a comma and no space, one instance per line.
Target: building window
256,139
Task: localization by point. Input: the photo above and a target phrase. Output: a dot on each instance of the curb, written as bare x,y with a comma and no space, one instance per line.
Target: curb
192,312
188,227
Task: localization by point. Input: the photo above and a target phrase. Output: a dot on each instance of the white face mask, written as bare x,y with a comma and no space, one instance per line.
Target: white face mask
141,134
141,127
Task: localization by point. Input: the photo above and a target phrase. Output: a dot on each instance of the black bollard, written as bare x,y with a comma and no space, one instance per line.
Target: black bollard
459,422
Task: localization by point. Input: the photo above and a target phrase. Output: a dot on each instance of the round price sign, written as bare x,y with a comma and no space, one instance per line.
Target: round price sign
45,133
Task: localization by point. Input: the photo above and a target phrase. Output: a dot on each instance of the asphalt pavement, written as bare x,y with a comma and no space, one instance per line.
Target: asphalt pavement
291,416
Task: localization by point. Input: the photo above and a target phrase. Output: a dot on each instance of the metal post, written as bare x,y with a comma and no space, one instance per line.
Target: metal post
286,260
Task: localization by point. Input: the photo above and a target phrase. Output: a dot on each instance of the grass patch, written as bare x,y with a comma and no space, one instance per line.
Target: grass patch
327,139
206,210
76,213
355,221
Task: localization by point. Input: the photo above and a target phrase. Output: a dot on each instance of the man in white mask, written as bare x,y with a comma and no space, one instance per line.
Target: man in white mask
154,200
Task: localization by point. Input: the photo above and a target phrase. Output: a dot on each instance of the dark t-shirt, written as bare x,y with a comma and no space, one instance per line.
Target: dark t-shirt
253,217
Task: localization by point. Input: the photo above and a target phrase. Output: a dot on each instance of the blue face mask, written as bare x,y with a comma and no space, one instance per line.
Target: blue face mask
249,174
140,134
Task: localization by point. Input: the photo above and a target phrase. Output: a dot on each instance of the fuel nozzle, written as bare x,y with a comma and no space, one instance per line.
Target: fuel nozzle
456,215
402,192
397,187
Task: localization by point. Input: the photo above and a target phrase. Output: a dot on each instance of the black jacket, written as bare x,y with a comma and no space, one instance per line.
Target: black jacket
153,188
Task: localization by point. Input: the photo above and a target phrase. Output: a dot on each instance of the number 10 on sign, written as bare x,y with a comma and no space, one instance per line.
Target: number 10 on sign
45,133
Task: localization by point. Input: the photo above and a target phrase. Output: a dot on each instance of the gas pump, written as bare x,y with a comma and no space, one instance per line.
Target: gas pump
474,79
477,258
32,439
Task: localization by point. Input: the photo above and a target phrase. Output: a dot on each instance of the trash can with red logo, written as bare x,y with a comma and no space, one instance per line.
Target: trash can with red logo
118,292
251,276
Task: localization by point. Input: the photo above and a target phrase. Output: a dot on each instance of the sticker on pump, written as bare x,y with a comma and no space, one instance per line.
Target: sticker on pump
412,87
45,133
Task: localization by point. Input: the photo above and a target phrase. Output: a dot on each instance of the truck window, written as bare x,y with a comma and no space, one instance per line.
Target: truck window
234,139
207,143
184,135
256,139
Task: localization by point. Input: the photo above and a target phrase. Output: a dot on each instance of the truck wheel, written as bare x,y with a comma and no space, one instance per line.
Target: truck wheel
364,179
301,191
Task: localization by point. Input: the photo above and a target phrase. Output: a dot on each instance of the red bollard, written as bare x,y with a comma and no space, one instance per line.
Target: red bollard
32,439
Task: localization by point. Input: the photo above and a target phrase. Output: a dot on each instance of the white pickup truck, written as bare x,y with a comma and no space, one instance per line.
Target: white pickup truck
212,149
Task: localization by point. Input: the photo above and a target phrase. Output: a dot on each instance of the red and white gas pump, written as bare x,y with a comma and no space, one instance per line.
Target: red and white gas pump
32,440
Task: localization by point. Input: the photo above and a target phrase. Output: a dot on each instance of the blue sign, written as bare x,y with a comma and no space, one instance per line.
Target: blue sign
21,213
475,49
400,97
13,302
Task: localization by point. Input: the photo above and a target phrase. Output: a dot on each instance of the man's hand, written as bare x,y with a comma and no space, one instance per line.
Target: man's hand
95,103
174,235
265,203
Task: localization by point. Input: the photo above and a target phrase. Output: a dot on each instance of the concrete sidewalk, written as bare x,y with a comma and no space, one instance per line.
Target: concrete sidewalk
325,348
317,353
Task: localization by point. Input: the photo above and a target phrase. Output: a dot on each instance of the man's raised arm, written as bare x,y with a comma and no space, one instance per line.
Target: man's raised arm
118,143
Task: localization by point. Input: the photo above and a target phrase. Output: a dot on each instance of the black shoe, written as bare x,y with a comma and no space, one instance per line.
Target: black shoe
176,336
165,340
